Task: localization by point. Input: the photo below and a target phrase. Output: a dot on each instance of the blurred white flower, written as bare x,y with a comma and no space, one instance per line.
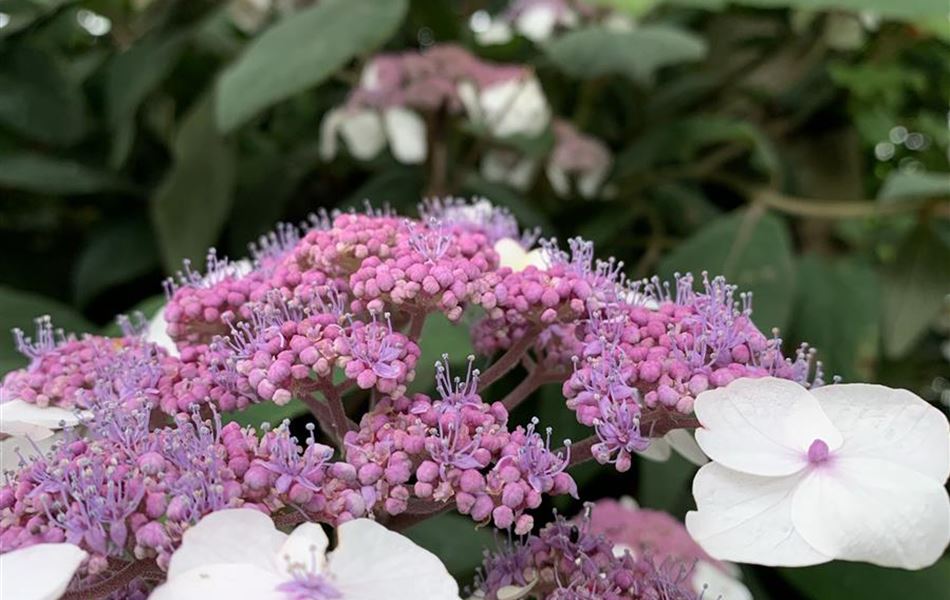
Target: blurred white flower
801,477
39,572
508,167
579,156
250,15
513,106
238,554
365,132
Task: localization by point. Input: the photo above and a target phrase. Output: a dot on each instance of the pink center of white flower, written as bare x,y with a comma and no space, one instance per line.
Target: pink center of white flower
818,452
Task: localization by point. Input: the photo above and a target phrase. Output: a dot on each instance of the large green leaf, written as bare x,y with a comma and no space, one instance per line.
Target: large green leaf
43,174
192,203
19,309
915,286
638,54
37,98
899,9
752,251
838,580
116,255
132,75
837,311
915,184
300,52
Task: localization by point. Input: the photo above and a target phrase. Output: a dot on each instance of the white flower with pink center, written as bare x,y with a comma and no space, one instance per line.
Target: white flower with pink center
800,477
239,554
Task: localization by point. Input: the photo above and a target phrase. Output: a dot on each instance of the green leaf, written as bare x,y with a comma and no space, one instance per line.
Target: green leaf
266,412
915,184
192,203
41,174
37,98
666,485
299,52
19,309
837,580
836,311
638,54
133,74
440,336
117,255
455,540
915,285
905,9
400,187
753,252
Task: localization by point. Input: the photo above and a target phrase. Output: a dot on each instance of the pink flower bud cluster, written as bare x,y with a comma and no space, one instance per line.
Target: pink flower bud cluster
64,369
568,561
124,491
430,267
531,300
457,448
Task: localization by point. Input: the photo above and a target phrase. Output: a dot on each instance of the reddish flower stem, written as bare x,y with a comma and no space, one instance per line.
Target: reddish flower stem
509,359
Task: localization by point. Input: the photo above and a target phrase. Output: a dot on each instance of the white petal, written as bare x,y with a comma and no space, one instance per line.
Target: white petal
239,536
538,258
503,167
629,503
874,511
559,181
362,130
498,32
659,450
22,418
407,135
516,106
468,94
511,254
329,129
369,78
158,333
762,426
537,22
12,447
712,582
306,546
589,183
40,572
372,562
249,15
222,582
685,444
747,518
892,425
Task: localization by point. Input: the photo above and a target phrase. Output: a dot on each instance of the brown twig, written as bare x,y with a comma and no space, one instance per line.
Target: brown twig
509,359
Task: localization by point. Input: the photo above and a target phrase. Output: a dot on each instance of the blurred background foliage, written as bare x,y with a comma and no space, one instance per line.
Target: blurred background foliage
799,147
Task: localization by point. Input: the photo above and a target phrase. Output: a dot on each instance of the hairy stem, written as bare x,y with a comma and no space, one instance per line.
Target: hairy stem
416,324
143,569
509,359
529,385
339,422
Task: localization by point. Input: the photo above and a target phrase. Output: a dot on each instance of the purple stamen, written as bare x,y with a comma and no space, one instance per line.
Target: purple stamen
818,452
